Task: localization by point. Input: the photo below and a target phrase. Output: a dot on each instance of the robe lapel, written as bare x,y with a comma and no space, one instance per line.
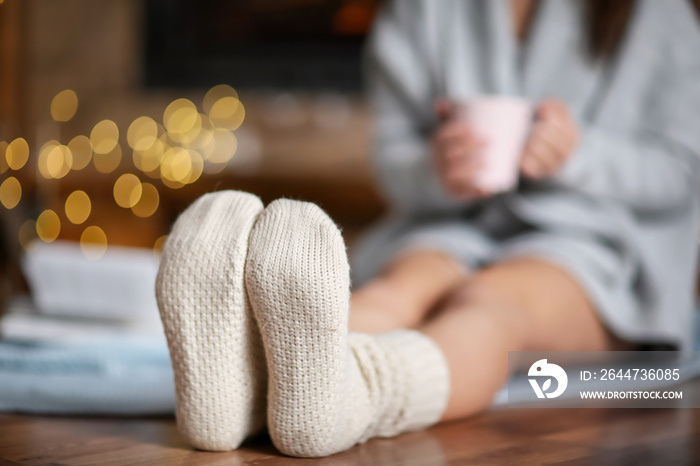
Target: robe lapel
555,62
501,49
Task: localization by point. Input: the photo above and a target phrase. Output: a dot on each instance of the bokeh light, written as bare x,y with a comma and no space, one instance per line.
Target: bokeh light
172,184
48,226
27,234
142,133
176,165
10,192
78,207
127,190
182,121
216,93
227,112
205,137
178,152
64,105
3,159
148,203
107,163
174,107
196,166
42,162
17,154
188,137
160,242
104,137
59,161
225,146
93,242
149,160
81,149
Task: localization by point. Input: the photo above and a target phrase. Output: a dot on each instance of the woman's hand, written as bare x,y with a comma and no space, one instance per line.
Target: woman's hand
554,137
455,149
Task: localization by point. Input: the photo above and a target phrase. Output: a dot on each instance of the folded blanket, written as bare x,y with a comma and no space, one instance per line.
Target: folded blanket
106,378
132,377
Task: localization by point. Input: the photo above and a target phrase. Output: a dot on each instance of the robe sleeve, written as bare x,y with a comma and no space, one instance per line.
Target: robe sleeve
645,172
399,88
652,165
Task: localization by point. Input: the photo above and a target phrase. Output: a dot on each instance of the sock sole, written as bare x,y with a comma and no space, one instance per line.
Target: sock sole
214,343
298,280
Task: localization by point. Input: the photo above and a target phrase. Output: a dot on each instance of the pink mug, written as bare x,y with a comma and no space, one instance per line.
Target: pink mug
504,122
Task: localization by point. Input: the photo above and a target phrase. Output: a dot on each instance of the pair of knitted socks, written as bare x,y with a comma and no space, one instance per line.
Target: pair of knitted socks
255,306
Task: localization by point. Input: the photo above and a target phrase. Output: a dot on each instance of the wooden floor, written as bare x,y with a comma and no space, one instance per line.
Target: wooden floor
505,436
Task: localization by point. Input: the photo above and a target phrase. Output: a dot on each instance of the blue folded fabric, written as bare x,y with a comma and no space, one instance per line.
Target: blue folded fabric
98,378
121,377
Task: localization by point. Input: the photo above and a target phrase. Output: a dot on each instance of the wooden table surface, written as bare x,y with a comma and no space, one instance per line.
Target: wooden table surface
505,436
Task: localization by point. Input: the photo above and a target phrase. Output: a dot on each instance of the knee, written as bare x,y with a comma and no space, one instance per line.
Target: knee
488,311
384,300
476,290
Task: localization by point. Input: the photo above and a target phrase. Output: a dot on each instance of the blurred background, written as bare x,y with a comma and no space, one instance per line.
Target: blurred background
115,115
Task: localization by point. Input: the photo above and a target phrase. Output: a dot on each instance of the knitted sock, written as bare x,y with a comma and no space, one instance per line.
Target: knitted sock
329,390
214,343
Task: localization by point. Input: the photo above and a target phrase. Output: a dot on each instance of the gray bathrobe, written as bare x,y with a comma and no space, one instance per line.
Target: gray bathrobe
621,216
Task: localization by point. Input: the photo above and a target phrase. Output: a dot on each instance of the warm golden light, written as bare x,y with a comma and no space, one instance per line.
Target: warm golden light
27,234
48,226
42,162
216,93
78,207
17,154
64,105
176,165
149,160
81,149
127,190
205,136
107,163
3,159
43,156
93,242
10,192
225,146
59,161
142,133
209,148
174,107
184,124
158,245
172,184
196,166
148,203
227,112
193,133
104,137
167,142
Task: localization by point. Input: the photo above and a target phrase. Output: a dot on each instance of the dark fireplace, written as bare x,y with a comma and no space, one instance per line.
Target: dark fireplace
257,44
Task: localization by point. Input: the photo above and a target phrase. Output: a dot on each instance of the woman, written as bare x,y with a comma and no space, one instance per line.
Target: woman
595,249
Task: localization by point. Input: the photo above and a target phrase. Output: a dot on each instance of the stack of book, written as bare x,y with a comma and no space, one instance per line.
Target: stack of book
78,299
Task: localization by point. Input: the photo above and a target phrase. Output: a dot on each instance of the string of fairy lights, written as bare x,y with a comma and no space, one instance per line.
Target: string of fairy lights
178,150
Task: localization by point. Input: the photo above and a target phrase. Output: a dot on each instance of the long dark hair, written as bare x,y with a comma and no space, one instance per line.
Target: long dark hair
606,21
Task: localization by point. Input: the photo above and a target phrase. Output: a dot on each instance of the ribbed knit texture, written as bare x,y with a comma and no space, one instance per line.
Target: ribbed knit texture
329,390
214,343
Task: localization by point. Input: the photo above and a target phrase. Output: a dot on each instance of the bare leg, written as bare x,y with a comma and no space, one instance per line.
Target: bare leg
405,293
521,305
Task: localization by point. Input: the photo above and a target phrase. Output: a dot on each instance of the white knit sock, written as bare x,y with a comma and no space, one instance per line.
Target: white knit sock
214,343
329,390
